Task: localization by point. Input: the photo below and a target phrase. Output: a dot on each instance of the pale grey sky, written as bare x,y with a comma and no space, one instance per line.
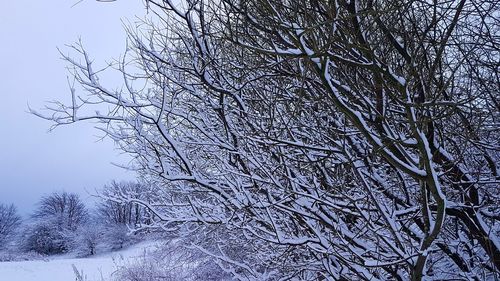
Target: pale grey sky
32,161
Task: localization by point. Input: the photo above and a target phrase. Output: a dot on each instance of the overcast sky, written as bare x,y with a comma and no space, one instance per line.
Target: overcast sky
34,162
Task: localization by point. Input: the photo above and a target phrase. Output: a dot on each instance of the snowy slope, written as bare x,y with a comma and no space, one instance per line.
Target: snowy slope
60,269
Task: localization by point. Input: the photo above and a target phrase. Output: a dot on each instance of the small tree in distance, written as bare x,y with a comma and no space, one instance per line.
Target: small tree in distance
9,221
114,210
54,223
66,208
120,211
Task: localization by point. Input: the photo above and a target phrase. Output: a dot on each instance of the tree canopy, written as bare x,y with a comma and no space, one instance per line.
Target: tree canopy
313,140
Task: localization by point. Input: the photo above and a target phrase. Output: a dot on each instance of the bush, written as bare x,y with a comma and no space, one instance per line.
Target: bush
172,262
116,236
43,238
87,239
11,255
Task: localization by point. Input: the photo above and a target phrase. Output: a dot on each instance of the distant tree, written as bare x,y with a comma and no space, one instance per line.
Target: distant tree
121,212
65,209
113,209
116,236
54,224
9,221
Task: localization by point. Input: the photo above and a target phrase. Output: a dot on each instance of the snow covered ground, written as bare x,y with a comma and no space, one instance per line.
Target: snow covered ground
97,268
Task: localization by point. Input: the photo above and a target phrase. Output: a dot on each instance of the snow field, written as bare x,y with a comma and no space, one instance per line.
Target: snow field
97,268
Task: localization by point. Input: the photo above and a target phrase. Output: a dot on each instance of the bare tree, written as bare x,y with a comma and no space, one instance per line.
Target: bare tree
67,209
335,139
9,221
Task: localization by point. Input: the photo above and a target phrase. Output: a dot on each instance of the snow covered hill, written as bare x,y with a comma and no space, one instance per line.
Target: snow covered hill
97,268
